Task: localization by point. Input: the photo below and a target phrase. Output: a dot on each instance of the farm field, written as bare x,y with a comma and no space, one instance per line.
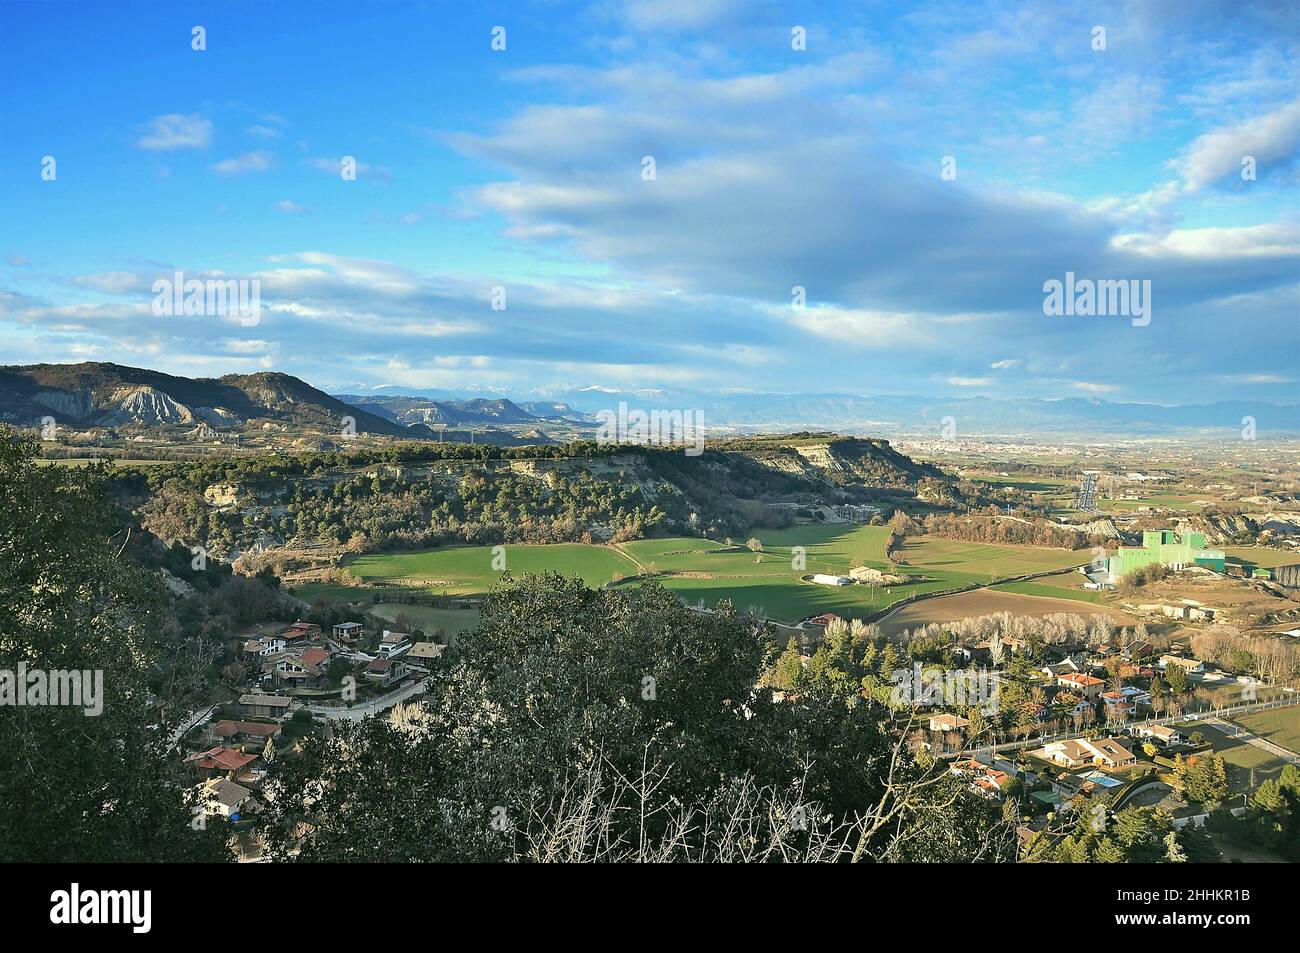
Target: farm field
707,571
429,618
1054,587
468,570
1278,725
1241,758
965,605
1259,556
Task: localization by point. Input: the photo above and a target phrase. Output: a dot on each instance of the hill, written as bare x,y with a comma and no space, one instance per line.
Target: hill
112,395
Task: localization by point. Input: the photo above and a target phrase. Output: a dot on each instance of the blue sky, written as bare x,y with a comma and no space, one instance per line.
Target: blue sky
775,168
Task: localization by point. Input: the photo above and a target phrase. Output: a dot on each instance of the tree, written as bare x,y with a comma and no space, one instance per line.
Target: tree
90,789
578,724
755,545
1176,678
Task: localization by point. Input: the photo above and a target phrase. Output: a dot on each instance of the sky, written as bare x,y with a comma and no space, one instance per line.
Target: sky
919,170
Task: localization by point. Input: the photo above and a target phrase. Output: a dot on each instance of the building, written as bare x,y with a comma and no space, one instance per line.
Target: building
1165,734
226,798
1192,666
348,631
222,763
394,643
228,730
1089,686
1164,548
948,722
301,630
386,671
825,579
823,620
265,706
424,652
1075,752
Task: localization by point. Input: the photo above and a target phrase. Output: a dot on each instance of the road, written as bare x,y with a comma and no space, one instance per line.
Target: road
357,712
1209,716
196,718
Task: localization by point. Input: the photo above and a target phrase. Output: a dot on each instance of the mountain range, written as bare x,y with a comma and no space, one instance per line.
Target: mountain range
112,395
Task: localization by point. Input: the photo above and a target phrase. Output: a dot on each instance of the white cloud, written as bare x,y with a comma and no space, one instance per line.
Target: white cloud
248,162
1272,137
289,207
175,131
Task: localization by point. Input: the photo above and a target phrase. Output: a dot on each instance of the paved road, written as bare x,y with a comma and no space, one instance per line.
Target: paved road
1240,733
195,718
357,712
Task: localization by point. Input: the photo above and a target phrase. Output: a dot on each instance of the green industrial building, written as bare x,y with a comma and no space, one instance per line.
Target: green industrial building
1164,548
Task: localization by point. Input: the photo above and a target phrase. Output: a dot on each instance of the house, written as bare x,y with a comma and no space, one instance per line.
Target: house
1069,786
1165,734
386,671
289,669
220,796
314,657
1137,650
393,643
267,645
348,631
302,630
823,620
1190,665
1066,666
265,706
985,779
424,652
222,762
1111,753
948,722
1074,752
242,731
1089,686
1127,700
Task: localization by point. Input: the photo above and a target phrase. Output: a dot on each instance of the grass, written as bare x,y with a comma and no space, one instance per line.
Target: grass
1064,587
1239,757
1278,725
428,618
710,571
470,570
1258,556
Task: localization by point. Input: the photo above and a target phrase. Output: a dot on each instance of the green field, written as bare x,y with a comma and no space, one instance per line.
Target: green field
1239,757
708,571
468,570
1278,725
1053,587
1259,556
428,618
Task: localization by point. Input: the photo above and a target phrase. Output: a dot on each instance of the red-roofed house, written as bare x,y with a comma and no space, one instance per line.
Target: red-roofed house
1089,686
222,762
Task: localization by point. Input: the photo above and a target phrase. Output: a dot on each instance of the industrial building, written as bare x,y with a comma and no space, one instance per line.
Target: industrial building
1165,548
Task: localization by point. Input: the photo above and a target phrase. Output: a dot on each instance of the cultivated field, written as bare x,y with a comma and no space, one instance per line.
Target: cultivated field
966,605
1278,725
469,570
708,571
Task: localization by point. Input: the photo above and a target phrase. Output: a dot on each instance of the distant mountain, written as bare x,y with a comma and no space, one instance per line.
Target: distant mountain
112,395
912,414
479,411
